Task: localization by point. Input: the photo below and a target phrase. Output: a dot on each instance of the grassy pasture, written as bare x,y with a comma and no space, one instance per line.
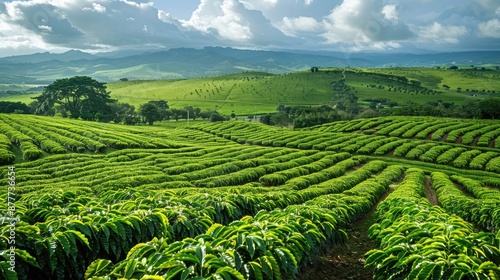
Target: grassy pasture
254,92
246,93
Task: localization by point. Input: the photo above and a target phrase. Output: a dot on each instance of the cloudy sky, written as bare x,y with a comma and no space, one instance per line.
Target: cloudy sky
338,25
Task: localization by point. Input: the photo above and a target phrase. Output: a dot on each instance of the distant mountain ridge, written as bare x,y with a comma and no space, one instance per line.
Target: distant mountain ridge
182,63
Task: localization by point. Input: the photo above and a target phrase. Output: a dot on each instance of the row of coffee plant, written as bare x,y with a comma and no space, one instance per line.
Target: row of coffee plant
468,132
479,205
270,245
73,228
35,135
423,150
416,240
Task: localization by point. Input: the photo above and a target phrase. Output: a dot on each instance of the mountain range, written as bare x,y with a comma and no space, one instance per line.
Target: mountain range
183,63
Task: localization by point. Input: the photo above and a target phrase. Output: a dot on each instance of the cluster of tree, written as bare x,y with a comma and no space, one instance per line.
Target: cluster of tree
488,108
159,110
14,107
300,116
344,99
76,97
85,98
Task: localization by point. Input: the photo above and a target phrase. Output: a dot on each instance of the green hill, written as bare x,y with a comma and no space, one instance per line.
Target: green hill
250,92
257,92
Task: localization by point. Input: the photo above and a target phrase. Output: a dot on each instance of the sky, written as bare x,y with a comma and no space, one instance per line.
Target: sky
31,26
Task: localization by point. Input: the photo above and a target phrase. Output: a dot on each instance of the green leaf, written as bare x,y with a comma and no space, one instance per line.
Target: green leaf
185,257
274,265
130,268
374,256
26,257
185,274
257,270
250,246
171,264
229,273
96,267
174,271
152,277
64,242
201,252
78,235
267,267
6,271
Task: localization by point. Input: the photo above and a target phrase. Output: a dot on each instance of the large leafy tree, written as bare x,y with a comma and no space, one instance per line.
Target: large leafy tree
150,112
80,96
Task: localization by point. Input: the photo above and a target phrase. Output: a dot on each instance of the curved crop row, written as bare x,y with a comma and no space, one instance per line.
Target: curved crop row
483,212
418,241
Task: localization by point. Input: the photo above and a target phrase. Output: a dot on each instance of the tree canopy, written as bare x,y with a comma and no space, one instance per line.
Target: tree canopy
79,96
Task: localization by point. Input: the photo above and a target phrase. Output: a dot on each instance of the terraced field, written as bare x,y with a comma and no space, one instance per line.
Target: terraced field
240,200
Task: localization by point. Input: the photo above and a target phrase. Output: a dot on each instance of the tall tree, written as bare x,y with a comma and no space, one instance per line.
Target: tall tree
150,112
80,96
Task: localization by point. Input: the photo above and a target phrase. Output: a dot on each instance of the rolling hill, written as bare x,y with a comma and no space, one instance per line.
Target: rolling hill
259,92
43,68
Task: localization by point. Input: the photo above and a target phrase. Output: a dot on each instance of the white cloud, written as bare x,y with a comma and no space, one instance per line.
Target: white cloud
390,13
259,4
294,26
438,33
96,7
234,23
222,17
45,28
490,29
105,23
357,21
353,25
141,4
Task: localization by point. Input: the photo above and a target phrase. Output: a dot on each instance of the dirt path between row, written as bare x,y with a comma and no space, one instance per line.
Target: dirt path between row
476,139
429,192
347,261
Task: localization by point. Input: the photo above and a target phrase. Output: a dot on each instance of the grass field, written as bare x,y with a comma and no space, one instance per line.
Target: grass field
253,92
246,93
241,200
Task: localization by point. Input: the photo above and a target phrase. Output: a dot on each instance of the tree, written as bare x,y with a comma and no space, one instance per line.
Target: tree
216,117
150,112
490,108
123,113
280,119
162,106
415,83
196,112
79,96
190,109
178,113
14,107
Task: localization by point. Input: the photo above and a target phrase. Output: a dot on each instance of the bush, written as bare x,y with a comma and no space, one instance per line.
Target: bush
216,117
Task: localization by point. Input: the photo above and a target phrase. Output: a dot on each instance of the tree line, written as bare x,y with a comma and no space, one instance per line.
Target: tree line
82,97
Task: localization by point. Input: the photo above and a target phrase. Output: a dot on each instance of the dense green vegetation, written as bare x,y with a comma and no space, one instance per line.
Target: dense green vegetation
242,200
